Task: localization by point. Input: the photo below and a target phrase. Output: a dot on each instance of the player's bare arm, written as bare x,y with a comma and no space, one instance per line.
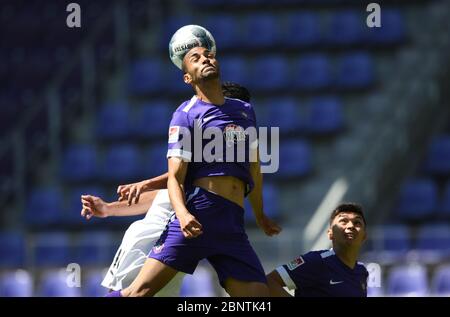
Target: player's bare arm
132,192
276,285
93,206
190,227
266,224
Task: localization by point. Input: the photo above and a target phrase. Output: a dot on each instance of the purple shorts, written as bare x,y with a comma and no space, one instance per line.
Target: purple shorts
223,243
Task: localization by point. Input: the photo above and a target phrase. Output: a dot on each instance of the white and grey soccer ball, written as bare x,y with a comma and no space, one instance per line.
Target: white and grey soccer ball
186,38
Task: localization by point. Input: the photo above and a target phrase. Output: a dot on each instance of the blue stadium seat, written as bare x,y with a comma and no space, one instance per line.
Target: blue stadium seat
260,30
155,160
438,157
271,204
153,119
434,237
54,284
52,249
295,159
355,71
200,284
146,77
303,29
284,113
345,28
18,283
94,248
174,83
92,284
224,27
12,244
113,122
79,163
417,199
325,116
440,284
392,30
312,72
234,68
269,72
122,164
407,281
171,25
395,238
444,207
44,207
72,213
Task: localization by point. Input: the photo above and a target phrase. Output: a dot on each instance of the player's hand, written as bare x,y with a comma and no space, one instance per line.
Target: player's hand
190,226
131,192
269,226
93,206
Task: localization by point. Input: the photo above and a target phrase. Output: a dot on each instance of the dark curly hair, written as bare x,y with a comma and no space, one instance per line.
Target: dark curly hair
234,90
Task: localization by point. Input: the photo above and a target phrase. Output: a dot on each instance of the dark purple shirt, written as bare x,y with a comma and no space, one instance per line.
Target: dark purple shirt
322,273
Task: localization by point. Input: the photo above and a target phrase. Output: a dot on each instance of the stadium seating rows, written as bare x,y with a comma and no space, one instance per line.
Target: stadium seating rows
309,72
401,280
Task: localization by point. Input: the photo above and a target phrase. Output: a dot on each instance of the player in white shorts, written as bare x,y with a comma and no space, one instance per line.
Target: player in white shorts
148,197
139,238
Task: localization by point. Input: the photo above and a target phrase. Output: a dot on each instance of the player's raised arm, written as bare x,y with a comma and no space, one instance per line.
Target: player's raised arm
276,285
132,192
190,227
93,206
266,224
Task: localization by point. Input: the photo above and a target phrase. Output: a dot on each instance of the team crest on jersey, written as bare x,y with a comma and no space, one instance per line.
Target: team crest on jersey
157,248
174,133
295,263
234,133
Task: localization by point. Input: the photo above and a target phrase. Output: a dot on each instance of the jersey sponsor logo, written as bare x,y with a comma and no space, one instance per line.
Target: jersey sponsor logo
234,133
174,133
335,282
295,263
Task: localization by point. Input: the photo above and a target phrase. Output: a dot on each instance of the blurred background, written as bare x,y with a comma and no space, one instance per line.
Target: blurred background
364,116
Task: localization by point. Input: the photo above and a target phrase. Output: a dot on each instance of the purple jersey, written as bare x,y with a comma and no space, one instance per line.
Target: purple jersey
232,121
322,273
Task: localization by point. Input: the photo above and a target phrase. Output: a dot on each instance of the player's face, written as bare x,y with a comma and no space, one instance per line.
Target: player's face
200,64
348,228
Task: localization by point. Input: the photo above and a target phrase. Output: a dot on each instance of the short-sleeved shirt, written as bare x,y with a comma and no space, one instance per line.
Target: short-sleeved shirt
231,122
322,273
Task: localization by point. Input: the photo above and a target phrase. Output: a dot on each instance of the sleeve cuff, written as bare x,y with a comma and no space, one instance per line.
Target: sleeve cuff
185,155
286,278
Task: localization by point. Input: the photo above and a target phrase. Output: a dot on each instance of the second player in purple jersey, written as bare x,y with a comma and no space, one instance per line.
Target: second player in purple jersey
323,274
328,273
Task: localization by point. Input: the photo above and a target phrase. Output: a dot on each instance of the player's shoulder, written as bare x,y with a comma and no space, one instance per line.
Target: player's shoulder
313,256
309,260
187,105
238,102
361,268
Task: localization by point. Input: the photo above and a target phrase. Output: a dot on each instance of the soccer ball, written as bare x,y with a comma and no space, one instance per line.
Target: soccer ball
186,38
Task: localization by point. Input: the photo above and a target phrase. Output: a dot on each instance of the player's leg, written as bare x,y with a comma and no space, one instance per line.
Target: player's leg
172,289
237,288
153,276
240,273
172,253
